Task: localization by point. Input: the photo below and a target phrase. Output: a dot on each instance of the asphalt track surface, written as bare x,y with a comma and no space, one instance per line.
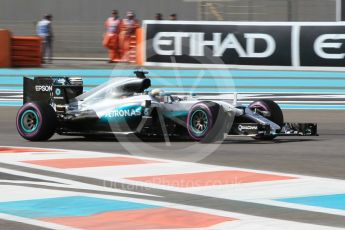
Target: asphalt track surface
322,156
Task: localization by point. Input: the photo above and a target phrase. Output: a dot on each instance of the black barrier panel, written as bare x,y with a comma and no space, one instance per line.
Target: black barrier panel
322,46
219,44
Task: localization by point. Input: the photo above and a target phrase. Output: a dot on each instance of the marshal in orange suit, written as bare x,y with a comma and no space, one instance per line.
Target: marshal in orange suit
111,37
128,28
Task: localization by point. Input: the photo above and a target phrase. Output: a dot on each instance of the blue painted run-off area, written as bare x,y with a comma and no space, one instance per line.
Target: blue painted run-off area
211,82
201,81
67,206
328,201
169,72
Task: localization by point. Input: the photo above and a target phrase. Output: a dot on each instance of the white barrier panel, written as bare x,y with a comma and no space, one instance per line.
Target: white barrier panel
245,44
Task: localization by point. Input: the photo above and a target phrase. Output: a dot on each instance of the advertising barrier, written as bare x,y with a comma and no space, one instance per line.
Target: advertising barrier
322,45
227,44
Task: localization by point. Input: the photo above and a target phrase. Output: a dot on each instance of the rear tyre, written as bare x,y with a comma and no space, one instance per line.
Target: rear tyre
36,121
274,114
206,122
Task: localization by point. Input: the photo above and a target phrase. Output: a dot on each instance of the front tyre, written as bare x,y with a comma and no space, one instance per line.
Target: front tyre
206,122
36,121
271,111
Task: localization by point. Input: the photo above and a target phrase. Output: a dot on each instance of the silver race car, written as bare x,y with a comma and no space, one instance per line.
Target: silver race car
129,105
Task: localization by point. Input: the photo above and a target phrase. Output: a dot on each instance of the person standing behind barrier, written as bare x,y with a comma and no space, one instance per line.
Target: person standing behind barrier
111,37
159,16
127,32
173,17
45,31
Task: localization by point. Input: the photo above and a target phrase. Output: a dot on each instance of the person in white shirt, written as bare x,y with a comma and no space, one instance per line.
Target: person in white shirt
45,31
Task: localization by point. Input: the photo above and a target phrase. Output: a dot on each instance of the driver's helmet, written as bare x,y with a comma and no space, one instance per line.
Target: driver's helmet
156,92
112,93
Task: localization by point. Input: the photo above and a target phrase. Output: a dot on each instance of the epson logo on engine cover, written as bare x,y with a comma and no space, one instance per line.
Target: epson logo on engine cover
247,127
43,88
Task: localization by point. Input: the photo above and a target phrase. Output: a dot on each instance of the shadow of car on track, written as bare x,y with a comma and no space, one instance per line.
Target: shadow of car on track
275,141
173,140
113,139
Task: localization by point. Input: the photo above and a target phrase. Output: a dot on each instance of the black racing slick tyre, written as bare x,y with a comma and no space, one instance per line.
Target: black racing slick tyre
206,122
36,121
274,114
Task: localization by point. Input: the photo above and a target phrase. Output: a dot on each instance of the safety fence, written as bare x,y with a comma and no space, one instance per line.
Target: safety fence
26,51
20,51
5,44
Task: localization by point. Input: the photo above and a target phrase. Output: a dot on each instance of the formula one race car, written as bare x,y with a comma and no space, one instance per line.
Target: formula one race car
124,105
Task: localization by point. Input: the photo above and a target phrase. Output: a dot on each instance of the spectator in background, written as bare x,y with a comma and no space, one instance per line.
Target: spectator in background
45,31
111,37
128,29
173,17
159,16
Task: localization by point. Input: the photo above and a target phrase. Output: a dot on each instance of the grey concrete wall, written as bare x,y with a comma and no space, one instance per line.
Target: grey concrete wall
78,24
269,10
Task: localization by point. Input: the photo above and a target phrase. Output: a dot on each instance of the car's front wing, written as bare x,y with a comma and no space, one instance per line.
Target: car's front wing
288,129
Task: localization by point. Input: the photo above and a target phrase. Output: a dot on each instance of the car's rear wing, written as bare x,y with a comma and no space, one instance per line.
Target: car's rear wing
60,90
